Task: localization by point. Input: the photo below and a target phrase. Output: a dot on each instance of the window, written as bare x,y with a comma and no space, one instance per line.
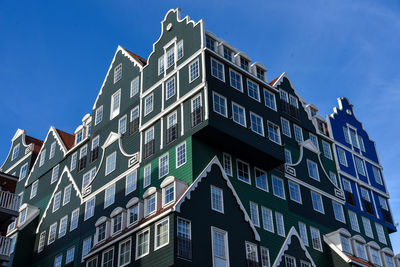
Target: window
110,163
122,125
327,150
277,187
180,155
89,208
303,233
227,161
151,204
131,182
52,233
312,170
56,201
288,156
16,152
149,142
210,43
134,86
169,194
115,104
86,246
254,214
361,142
286,127
354,221
338,211
79,136
298,133
52,150
290,261
63,226
314,140
172,128
293,101
260,73
243,171
364,194
170,88
381,233
101,232
367,227
161,65
109,196
194,71
236,80
375,257
252,90
196,110
142,243
74,219
268,223
117,73
34,189
360,250
360,166
217,70
317,202
42,240
353,136
148,104
147,175
227,53
261,179
294,192
54,174
251,252
316,238
244,63
23,171
70,255
342,156
388,260
180,49
377,175
257,124
161,234
269,99
347,186
133,215
116,222
217,199
345,242
383,204
73,160
88,177
42,157
239,114
108,258
346,135
265,262
170,57
284,96
280,225
273,133
219,104
184,245
332,177
163,165
134,123
220,247
58,260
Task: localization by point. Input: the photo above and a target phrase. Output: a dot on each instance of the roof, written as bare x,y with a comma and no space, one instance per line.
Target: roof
68,139
36,142
274,81
360,261
142,60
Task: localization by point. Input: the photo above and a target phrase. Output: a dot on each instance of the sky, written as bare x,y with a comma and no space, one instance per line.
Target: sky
54,56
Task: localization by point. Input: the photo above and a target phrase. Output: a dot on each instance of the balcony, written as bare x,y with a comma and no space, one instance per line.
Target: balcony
9,202
5,248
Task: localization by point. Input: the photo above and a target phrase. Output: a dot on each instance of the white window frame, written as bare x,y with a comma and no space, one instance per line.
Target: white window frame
273,177
50,241
56,196
167,87
89,213
185,158
254,216
262,123
107,168
122,128
63,226
274,98
316,233
355,226
287,123
226,243
164,168
219,190
135,82
300,131
147,175
117,70
278,132
15,152
148,110
134,173
239,107
24,171
74,216
34,188
230,80
320,201
55,173
137,243
279,218
156,233
98,115
227,160
74,160
107,197
223,69
303,233
342,156
256,179
338,216
115,113
327,150
257,90
298,191
313,164
268,219
248,171
52,150
42,157
193,64
225,107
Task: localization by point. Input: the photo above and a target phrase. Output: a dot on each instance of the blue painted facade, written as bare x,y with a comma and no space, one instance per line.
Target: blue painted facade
358,166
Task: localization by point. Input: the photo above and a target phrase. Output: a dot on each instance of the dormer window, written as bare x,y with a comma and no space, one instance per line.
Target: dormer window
79,136
210,43
375,257
42,157
228,53
260,73
101,236
135,211
170,57
117,223
244,63
169,194
151,204
102,229
345,242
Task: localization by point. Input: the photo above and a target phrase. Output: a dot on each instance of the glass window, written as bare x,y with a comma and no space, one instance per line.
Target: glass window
219,104
360,250
148,104
290,261
314,140
89,208
122,125
151,204
327,150
210,43
117,223
312,170
239,114
317,202
367,227
269,99
236,80
243,170
298,133
376,259
42,157
277,187
52,150
54,174
58,261
252,90
254,214
288,156
332,177
303,233
70,255
115,104
316,238
133,215
23,171
280,225
99,115
170,88
161,234
261,179
134,86
354,221
273,133
377,175
194,70
227,161
268,223
101,235
170,57
142,243
244,63
383,203
15,152
42,240
73,161
108,258
180,49
286,127
217,199
63,226
346,135
131,182
56,201
52,233
184,239
342,156
338,211
169,194
110,163
109,196
284,96
294,192
293,101
161,65
257,124
163,165
147,175
251,252
34,189
227,54
265,261
360,166
117,73
74,219
180,155
220,247
124,255
345,242
217,70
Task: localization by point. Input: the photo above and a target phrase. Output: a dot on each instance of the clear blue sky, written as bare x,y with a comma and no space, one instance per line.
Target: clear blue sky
54,56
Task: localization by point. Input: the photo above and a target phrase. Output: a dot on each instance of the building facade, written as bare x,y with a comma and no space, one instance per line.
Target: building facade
191,158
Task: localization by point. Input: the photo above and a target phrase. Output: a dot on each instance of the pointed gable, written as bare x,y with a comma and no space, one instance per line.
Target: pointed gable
67,139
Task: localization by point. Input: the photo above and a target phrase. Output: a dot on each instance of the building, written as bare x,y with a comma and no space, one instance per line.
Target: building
191,158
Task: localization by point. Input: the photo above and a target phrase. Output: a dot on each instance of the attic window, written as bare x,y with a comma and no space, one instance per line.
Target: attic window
79,136
244,63
15,152
117,73
210,43
227,53
260,73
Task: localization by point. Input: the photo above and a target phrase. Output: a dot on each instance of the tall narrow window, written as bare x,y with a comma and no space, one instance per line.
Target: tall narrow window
227,161
197,114
338,211
180,155
170,57
217,199
148,104
94,152
147,175
264,253
161,234
63,226
67,194
217,70
274,133
298,133
54,174
303,233
314,140
74,219
108,258
42,241
286,127
74,159
86,246
34,189
346,135
251,253
278,187
316,238
354,221
261,179
142,243
184,239
194,70
161,65
239,114
111,162
327,150
219,104
243,171
42,157
109,196
268,222
134,122
135,86
367,227
52,233
381,233
294,192
235,80
220,247
117,73
280,225
115,104
89,208
149,142
317,202
23,171
288,156
312,170
377,175
172,128
56,201
122,125
170,89
360,166
180,49
52,150
257,124
342,156
269,99
16,152
254,214
163,165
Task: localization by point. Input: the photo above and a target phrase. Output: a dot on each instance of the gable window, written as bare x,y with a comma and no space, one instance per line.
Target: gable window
286,127
290,261
142,243
235,80
82,158
149,142
268,223
116,222
293,101
327,150
161,65
161,234
108,258
264,253
251,253
388,260
361,143
135,86
79,137
316,238
210,43
278,187
131,181
269,99
280,225
42,240
109,196
274,133
147,175
314,140
239,114
354,221
243,171
288,156
163,165
257,124
88,177
217,70
22,216
261,179
194,71
110,162
169,194
260,73
377,175
134,123
303,233
367,227
67,194
56,201
342,156
122,125
219,247
170,88
117,73
312,170
332,177
52,233
115,104
298,133
86,246
180,154
148,104
353,136
94,153
338,211
150,204
284,96
42,157
252,90
73,160
217,199
63,226
184,242
180,49
16,152
54,174
360,166
227,162
74,219
317,202
170,57
219,104
34,189
254,214
23,171
294,192
227,53
52,150
133,215
89,208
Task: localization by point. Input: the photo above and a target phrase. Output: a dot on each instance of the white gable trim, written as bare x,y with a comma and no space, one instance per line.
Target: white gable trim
17,134
203,174
112,137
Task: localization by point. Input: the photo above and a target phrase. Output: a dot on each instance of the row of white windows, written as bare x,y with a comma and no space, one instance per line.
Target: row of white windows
351,137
